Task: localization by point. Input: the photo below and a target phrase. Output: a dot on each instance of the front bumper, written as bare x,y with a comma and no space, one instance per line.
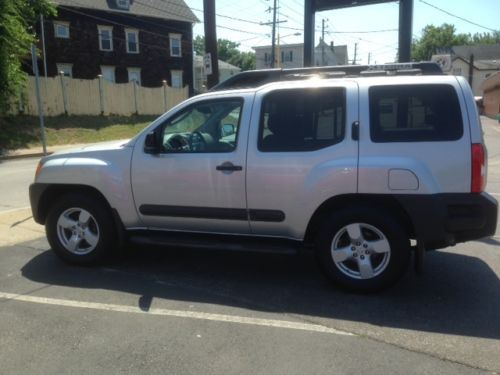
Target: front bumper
36,192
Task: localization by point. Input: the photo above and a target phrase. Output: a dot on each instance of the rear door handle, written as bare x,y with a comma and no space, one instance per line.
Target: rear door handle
229,167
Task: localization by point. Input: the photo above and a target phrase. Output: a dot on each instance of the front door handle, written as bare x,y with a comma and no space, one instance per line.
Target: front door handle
229,167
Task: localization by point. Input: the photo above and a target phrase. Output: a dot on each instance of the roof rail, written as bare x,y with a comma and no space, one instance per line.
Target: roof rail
256,78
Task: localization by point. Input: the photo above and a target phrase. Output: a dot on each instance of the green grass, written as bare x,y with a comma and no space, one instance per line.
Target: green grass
24,131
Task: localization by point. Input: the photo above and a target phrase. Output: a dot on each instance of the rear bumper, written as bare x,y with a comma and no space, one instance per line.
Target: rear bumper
442,220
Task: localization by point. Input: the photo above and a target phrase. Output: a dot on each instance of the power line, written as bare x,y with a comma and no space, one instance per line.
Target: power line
458,17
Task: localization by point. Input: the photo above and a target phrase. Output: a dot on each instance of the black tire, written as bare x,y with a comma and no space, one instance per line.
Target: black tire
378,231
94,239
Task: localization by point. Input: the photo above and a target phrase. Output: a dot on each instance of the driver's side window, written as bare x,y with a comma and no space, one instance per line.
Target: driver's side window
209,126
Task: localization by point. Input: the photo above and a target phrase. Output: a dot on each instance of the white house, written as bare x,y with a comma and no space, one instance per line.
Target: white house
292,55
200,78
476,63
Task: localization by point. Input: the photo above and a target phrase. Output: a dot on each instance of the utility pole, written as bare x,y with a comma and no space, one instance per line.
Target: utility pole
355,53
323,42
42,31
38,97
211,41
369,57
273,42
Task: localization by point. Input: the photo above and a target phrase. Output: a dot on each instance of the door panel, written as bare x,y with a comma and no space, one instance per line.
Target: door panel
190,185
300,154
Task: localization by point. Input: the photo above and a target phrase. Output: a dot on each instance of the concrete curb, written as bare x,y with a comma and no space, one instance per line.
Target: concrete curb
36,152
24,156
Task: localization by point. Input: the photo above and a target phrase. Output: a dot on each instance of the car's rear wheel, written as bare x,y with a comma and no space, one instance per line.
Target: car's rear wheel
80,229
363,249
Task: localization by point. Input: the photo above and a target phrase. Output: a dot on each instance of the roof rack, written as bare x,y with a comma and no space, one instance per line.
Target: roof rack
256,78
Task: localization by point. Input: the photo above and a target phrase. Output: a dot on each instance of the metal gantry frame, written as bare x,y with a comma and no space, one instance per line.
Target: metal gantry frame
313,6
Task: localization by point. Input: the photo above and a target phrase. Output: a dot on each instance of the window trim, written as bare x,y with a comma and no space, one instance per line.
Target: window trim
123,4
114,72
60,67
172,37
65,24
134,69
99,36
181,73
132,31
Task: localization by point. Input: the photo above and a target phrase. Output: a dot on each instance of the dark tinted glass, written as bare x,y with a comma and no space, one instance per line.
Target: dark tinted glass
302,119
414,113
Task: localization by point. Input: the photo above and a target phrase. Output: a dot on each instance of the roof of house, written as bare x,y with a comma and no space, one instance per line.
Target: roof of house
480,51
487,64
198,62
492,82
492,64
165,9
292,45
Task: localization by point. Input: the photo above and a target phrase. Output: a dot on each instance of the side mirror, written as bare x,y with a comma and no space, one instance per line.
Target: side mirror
227,129
152,144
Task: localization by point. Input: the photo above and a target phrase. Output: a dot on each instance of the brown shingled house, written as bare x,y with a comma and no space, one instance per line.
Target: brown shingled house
144,40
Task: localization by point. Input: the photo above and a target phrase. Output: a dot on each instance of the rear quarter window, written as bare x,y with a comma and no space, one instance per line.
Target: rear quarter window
415,113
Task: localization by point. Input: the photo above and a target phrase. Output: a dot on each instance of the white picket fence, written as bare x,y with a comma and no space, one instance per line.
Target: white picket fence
65,95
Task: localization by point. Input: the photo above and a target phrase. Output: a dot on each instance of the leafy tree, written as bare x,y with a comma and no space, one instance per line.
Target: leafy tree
17,33
228,51
486,38
435,38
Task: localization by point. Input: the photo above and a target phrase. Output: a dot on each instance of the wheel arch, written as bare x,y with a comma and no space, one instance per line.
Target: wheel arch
52,192
382,202
55,191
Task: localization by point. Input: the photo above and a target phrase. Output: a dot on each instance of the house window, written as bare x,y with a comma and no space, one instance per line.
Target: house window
65,69
123,4
105,38
61,30
287,56
176,78
132,37
175,45
134,74
108,73
457,71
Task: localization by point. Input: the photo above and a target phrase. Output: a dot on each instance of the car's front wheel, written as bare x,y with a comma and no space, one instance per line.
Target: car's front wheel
80,229
362,249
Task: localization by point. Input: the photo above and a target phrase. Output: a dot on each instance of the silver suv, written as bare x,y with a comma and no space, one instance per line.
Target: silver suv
362,166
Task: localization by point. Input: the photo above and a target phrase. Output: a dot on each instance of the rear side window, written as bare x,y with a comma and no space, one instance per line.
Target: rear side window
414,113
302,119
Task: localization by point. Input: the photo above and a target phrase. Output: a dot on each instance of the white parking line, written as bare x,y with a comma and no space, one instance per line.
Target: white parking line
177,313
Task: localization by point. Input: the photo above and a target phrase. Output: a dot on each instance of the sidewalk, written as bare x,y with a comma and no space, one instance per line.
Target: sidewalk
486,121
36,152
